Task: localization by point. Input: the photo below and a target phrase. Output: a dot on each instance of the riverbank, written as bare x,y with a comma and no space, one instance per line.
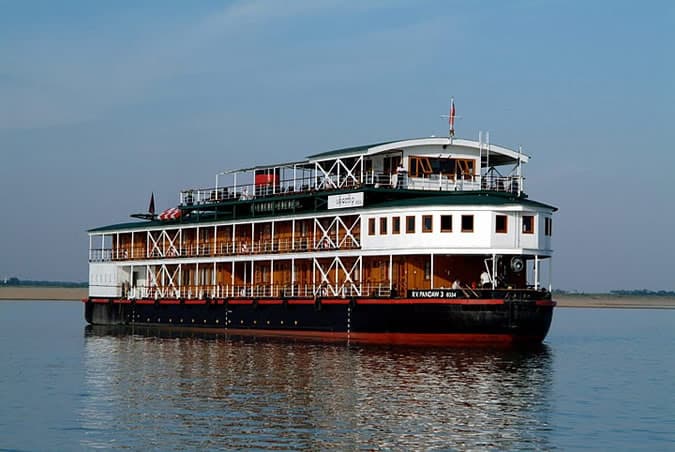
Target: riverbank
43,293
564,301
613,301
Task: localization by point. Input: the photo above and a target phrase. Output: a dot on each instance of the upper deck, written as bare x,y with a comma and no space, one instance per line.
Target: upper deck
436,164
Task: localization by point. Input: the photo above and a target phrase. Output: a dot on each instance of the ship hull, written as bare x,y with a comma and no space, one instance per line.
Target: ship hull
403,320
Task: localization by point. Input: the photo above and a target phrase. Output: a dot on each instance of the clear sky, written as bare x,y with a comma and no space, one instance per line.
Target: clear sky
102,103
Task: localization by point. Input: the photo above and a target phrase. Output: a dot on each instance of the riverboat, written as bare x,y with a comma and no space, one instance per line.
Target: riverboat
427,241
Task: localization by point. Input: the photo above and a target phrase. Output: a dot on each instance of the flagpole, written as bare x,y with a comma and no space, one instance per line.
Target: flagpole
451,118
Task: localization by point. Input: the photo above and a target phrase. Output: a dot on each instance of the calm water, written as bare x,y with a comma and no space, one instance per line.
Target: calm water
605,379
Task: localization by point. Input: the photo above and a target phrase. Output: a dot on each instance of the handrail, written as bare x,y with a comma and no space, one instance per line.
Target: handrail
224,248
249,191
210,291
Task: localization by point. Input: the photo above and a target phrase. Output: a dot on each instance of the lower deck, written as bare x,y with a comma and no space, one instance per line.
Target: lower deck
318,276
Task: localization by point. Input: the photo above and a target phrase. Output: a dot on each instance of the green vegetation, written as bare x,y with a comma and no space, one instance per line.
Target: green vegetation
644,293
621,293
16,282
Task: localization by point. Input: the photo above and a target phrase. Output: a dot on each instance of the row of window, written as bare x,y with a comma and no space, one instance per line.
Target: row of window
501,224
411,224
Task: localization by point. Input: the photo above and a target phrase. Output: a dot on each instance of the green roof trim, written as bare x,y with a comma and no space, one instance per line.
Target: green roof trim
347,151
462,199
418,198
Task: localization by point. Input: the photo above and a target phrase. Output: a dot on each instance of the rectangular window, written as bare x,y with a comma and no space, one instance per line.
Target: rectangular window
446,223
548,226
467,223
528,224
371,226
410,225
427,223
383,226
396,225
501,224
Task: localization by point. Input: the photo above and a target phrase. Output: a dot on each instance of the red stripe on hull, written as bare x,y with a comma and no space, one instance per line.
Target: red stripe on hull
427,339
334,301
270,302
195,301
169,301
240,301
301,301
429,301
546,303
327,301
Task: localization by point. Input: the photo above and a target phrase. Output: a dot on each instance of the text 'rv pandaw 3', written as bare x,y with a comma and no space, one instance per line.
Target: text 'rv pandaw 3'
429,241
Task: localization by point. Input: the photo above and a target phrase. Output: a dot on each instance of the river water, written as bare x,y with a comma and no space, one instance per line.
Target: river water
604,379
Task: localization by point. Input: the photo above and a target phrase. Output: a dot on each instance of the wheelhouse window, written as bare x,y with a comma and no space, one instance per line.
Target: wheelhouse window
396,225
427,223
467,223
528,224
383,226
391,163
501,222
410,225
419,166
446,223
371,226
464,169
548,226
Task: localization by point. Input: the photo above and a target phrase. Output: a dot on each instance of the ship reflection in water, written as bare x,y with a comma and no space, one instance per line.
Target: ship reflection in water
180,390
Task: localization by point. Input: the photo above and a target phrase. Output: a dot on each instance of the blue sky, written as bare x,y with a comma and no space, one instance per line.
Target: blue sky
102,103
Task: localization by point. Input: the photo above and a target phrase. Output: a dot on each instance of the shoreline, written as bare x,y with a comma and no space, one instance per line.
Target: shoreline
43,293
564,301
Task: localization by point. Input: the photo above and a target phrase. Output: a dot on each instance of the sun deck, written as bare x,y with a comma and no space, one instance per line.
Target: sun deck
437,164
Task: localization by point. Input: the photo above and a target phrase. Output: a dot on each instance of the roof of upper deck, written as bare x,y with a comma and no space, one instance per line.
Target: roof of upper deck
499,155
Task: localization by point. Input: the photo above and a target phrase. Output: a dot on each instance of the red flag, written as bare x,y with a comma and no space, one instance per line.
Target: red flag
151,208
451,118
170,214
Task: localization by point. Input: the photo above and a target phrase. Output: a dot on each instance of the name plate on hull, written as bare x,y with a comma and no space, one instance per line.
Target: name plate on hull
433,293
346,200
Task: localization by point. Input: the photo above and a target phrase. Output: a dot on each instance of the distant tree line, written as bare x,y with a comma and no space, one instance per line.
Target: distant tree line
644,293
16,282
632,293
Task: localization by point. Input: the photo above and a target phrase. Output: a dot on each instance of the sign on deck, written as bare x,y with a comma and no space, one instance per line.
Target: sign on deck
433,293
345,201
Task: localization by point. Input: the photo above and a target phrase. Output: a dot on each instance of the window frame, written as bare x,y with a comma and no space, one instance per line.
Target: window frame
430,219
408,229
371,226
451,221
396,225
531,221
468,216
505,229
383,225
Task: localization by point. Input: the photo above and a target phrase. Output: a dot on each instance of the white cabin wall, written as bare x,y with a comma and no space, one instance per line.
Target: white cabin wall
104,280
510,239
483,239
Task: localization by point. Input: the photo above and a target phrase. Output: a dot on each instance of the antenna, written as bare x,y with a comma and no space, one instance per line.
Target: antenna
487,159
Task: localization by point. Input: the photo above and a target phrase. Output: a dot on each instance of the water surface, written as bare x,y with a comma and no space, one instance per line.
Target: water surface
604,379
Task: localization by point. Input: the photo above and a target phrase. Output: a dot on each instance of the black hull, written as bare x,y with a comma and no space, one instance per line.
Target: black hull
431,321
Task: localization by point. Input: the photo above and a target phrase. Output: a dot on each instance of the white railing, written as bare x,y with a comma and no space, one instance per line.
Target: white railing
435,182
256,291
